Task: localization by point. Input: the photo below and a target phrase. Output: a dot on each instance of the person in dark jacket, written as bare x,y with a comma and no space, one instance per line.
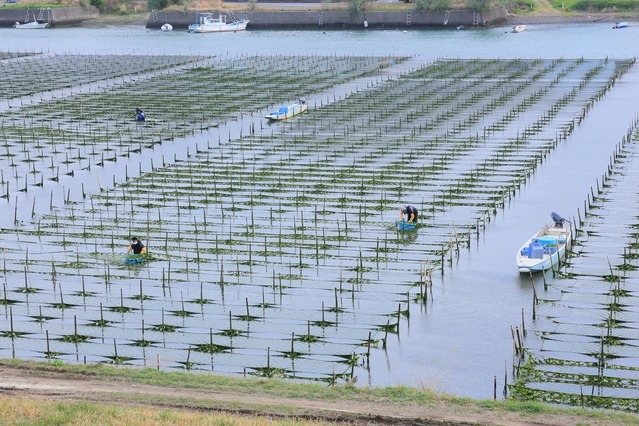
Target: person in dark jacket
136,246
139,115
408,213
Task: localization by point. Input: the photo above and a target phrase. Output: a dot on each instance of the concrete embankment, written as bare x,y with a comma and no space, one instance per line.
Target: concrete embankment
336,19
57,17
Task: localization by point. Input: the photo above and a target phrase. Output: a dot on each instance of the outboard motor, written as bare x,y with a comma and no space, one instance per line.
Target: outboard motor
559,221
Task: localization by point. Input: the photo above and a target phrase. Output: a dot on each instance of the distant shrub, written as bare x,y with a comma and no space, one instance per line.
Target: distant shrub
606,5
358,6
433,4
162,4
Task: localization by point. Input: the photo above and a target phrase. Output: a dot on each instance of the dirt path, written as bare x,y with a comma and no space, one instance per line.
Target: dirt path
53,384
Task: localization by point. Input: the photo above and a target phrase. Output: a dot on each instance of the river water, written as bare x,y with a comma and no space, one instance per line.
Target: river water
437,347
548,41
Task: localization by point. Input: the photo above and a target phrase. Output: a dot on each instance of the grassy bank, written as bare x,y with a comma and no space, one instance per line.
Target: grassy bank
290,401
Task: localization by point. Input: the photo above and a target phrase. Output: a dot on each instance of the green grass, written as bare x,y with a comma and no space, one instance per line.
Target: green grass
276,389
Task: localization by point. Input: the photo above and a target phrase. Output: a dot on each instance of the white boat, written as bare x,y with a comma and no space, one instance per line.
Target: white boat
620,25
543,250
519,28
288,111
208,24
35,24
166,27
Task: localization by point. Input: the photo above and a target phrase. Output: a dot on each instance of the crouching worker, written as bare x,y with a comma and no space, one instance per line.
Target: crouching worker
139,115
136,246
408,213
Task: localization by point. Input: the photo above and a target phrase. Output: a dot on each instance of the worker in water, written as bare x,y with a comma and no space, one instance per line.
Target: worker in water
136,246
139,115
408,213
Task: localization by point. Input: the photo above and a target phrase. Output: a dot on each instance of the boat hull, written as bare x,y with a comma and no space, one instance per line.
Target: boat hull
219,27
545,249
31,25
287,112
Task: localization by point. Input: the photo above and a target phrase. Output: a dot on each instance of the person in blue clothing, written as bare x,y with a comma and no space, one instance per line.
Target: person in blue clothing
139,115
408,213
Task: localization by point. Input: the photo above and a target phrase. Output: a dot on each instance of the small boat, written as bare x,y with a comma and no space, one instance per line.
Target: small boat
403,225
543,250
167,27
519,28
208,24
288,111
132,259
35,24
620,25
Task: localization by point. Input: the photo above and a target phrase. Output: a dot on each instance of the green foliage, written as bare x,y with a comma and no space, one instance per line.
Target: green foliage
433,4
358,6
97,3
158,4
480,5
606,5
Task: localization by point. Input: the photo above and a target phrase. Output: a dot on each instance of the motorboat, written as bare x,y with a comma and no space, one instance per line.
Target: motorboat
620,25
208,24
547,247
166,27
519,28
35,24
288,111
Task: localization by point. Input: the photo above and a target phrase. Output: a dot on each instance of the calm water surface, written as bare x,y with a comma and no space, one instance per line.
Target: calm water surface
462,340
548,41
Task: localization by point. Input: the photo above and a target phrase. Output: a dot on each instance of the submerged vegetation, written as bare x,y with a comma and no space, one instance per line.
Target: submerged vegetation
589,353
274,248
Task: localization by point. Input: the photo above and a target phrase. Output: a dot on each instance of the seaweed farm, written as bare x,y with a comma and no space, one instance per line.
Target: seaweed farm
273,249
588,326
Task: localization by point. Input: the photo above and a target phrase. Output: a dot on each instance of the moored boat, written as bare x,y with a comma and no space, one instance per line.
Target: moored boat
166,27
519,28
288,111
543,250
208,24
620,25
35,24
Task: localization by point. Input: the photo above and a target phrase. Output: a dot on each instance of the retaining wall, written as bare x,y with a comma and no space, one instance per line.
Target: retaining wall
335,19
59,17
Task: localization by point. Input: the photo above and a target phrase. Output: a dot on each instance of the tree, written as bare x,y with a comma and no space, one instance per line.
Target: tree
358,6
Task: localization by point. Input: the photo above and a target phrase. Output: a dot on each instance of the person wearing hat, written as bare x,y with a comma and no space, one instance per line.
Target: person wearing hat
136,246
410,212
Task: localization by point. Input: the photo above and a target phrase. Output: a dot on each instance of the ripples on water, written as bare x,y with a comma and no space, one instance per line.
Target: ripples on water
438,348
538,41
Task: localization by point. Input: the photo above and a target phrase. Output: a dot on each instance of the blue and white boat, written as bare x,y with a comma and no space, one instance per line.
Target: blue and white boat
620,25
288,111
543,250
